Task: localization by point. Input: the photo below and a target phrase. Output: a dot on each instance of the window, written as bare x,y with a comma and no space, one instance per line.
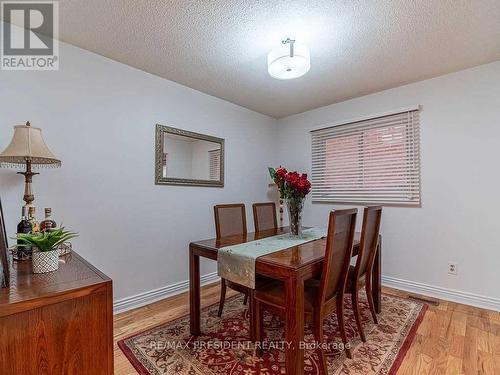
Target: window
214,165
374,161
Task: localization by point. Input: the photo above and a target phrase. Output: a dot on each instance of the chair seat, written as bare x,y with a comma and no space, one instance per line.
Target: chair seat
273,293
261,281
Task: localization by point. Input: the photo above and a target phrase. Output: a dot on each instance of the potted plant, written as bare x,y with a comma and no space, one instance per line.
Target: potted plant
45,256
293,188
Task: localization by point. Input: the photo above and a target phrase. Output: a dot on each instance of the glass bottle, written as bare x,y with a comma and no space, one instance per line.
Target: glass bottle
48,224
35,226
24,226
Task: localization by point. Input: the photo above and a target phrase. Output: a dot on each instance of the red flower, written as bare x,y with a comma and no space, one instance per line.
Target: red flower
281,172
291,185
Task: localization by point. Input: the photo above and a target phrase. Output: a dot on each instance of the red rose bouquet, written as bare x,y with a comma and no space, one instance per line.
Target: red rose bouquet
293,187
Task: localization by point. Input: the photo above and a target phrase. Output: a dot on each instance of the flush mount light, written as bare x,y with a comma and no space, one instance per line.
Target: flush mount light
290,60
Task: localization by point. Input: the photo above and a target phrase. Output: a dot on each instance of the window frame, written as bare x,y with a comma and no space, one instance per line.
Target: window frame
413,172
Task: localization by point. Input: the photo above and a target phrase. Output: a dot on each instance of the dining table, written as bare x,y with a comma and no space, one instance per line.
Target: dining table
292,266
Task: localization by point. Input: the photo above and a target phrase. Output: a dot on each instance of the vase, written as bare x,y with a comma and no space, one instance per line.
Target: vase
295,207
45,261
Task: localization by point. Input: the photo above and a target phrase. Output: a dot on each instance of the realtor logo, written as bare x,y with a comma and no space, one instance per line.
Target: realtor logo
30,35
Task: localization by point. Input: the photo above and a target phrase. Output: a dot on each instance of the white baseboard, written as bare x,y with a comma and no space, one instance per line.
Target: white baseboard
465,298
155,295
443,293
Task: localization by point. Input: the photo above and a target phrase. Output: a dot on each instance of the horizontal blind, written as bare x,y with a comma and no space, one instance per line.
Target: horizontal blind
214,165
374,161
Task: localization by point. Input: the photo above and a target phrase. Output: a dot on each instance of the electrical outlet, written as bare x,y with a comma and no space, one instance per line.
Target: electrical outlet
452,268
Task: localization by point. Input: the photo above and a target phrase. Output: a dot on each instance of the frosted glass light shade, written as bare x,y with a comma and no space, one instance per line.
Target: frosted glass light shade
281,66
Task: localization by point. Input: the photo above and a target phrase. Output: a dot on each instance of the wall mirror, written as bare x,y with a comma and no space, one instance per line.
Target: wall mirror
187,158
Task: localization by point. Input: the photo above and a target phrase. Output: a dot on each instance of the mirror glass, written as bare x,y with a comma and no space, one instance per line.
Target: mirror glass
187,158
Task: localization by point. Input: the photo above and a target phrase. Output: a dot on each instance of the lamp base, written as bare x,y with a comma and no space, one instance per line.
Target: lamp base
28,179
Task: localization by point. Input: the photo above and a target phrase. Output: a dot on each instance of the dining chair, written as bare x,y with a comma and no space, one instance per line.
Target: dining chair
362,272
321,297
264,216
230,220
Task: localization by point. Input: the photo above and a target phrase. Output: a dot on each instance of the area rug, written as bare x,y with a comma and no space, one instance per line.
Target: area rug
224,347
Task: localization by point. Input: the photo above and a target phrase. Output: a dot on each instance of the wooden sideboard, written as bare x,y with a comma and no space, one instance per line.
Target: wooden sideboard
57,323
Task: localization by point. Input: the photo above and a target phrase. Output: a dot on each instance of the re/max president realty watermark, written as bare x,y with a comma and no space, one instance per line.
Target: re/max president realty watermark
30,32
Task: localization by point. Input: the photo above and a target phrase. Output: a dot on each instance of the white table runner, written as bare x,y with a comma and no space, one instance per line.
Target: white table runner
237,263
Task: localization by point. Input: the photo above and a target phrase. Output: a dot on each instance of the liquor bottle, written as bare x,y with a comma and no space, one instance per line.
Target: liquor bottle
35,227
48,224
24,226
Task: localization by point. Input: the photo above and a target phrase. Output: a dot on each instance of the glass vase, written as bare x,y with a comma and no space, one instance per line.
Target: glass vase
295,207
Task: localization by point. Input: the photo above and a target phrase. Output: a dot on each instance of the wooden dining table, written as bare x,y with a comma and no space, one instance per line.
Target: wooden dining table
292,266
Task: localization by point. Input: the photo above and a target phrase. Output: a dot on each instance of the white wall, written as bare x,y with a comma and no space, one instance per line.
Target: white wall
458,220
98,116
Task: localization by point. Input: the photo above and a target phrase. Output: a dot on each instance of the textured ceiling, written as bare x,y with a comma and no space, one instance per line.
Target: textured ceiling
220,47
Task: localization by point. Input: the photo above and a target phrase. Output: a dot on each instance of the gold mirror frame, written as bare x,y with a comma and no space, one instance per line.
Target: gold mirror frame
160,180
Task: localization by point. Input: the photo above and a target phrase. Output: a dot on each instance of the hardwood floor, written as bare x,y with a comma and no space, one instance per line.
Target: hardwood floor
452,339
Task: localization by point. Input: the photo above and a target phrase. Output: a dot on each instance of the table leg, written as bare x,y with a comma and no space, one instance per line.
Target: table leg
251,314
194,292
377,278
294,326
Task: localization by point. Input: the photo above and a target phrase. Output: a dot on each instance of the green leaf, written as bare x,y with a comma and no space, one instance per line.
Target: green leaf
46,241
272,172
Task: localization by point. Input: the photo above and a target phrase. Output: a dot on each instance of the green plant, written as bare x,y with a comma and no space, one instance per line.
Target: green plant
46,241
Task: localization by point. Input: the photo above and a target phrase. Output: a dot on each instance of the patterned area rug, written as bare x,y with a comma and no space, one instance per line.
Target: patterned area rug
224,348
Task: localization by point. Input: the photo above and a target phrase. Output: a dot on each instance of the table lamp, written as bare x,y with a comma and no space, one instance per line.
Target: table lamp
28,148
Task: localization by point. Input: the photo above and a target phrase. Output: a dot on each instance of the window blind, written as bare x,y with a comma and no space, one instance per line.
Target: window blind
214,165
373,161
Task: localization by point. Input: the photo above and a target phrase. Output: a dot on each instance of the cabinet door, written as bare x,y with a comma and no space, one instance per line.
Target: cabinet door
70,337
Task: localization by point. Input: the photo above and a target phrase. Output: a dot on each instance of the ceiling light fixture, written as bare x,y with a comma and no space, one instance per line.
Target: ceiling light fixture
288,61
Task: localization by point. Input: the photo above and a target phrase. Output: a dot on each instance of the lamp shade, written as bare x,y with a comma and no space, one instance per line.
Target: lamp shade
286,63
28,144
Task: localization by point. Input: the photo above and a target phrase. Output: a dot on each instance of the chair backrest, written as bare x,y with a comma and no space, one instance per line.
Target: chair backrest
264,216
338,252
369,239
230,219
